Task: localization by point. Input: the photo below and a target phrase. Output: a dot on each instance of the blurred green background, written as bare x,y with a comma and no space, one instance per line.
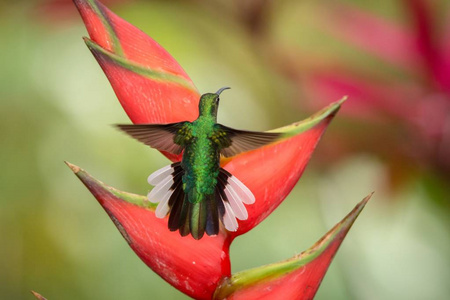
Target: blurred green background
57,105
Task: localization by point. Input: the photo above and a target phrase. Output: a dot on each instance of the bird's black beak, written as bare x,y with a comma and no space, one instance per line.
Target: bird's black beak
222,89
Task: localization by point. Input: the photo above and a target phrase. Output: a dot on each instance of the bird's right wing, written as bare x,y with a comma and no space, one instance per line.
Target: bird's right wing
233,141
166,137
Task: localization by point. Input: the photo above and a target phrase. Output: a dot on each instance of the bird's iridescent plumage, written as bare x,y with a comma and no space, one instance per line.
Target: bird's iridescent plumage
197,193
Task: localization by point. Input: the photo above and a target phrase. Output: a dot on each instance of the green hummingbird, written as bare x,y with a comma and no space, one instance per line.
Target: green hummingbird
197,193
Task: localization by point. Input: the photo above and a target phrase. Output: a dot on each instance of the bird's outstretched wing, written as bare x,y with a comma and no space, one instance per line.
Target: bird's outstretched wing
166,137
232,141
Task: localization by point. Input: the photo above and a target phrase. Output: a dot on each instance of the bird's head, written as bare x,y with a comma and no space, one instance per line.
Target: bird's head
209,103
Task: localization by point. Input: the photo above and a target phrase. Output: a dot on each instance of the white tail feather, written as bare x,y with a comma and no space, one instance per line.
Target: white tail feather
236,204
229,219
156,177
241,190
163,207
160,190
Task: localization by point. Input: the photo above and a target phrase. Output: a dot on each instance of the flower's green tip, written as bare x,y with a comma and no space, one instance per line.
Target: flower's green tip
343,99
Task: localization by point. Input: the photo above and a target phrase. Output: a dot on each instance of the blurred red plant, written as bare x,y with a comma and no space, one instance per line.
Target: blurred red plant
405,102
149,83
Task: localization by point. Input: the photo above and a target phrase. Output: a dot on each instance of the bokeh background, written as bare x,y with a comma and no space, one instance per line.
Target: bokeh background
284,60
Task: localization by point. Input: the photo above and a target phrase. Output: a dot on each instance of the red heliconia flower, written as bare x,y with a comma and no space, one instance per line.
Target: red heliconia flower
149,83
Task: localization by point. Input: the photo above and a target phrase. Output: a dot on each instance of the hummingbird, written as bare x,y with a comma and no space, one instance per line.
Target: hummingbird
196,193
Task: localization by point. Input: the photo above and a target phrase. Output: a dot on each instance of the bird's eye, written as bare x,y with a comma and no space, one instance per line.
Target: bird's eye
217,100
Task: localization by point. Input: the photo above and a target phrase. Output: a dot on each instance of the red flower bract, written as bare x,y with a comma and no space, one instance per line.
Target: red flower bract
153,88
194,267
286,162
295,278
147,80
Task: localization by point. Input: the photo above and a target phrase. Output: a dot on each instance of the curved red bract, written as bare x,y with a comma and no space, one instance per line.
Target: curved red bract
145,100
285,160
122,38
192,266
295,278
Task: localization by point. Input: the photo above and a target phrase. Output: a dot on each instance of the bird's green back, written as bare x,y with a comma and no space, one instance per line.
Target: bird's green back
201,156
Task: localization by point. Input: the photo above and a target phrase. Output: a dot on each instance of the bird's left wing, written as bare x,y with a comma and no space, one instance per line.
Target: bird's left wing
233,141
166,137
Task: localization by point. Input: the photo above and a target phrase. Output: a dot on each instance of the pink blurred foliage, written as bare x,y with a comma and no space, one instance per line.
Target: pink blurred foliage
407,96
